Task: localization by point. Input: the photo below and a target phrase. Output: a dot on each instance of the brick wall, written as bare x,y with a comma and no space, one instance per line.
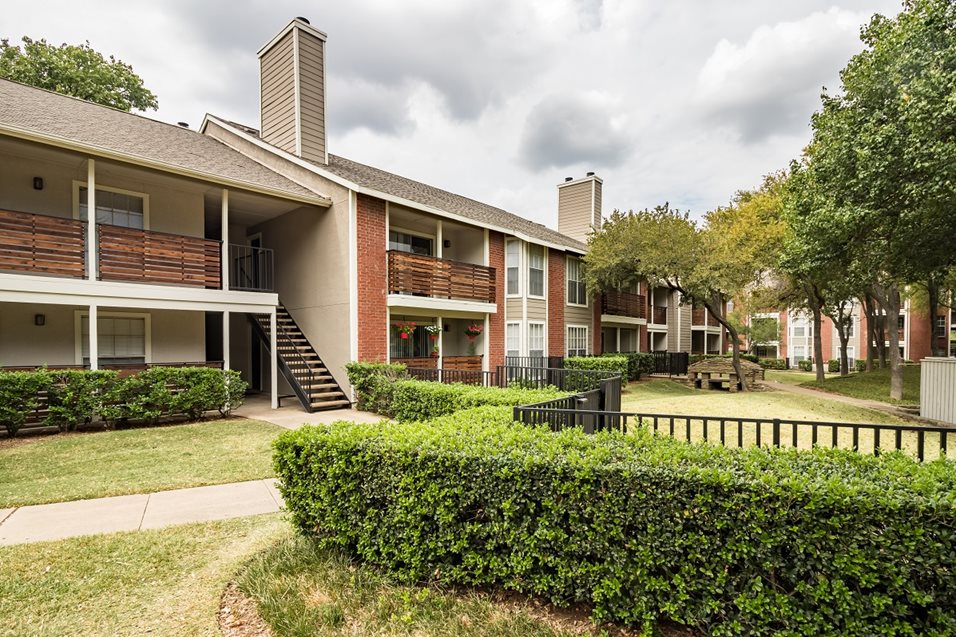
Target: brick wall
556,300
372,280
496,322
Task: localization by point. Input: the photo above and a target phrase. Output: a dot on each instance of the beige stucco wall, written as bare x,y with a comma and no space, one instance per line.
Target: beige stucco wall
175,336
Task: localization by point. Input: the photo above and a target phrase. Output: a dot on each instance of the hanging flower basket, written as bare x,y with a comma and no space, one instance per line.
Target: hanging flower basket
474,330
433,332
405,330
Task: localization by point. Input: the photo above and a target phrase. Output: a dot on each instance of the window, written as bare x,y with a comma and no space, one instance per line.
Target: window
120,339
799,354
851,357
513,339
407,242
536,340
512,265
851,332
941,326
799,331
416,345
577,294
901,322
577,341
115,208
535,270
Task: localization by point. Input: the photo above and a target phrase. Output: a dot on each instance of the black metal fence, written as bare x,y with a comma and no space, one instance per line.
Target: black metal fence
572,380
671,363
465,376
924,442
552,362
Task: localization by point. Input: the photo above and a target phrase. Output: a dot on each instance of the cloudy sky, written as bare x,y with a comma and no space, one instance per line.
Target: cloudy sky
684,101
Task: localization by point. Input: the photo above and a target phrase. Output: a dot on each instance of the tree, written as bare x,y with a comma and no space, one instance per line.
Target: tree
75,70
707,265
884,150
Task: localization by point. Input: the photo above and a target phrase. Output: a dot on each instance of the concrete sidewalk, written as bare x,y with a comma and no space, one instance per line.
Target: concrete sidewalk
61,520
292,416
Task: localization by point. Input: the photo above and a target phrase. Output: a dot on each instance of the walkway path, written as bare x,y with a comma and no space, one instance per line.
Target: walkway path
292,416
135,512
840,398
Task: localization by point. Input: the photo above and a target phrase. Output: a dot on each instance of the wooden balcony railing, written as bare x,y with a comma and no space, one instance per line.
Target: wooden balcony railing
471,363
659,315
699,316
439,278
42,244
127,254
617,303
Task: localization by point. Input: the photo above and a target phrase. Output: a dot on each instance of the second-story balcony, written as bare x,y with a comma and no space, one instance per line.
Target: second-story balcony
618,303
700,317
659,314
56,246
421,275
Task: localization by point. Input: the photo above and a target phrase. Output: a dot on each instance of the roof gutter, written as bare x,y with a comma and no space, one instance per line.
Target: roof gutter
438,212
63,142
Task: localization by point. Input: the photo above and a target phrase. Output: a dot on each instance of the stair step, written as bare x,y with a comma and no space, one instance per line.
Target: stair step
331,404
315,386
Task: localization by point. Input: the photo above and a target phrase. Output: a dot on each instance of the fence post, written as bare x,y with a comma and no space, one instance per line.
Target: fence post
776,432
514,414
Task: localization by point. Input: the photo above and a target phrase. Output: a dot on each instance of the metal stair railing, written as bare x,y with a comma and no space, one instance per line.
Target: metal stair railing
305,397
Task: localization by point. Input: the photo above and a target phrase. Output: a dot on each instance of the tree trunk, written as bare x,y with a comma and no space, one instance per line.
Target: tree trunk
889,298
716,310
932,290
844,358
816,307
870,335
842,317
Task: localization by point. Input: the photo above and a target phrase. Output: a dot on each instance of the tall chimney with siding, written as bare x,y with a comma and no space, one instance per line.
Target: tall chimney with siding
292,91
579,206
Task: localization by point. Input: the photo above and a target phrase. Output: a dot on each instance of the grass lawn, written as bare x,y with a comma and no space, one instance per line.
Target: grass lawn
158,583
792,376
90,465
873,385
303,591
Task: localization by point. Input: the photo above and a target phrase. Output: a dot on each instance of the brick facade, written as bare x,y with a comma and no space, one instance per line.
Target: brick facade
496,322
372,277
556,300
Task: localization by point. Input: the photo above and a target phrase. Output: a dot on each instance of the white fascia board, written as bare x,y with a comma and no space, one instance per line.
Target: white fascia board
104,153
438,212
656,327
610,319
57,291
451,305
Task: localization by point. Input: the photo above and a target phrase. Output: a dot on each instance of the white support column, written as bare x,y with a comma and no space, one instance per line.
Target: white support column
94,338
91,261
224,255
440,244
225,340
441,343
274,367
486,343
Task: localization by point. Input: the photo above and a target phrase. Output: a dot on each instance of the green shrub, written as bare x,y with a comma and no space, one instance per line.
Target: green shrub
860,365
774,363
805,365
637,363
75,397
417,400
833,365
585,382
361,377
755,542
21,394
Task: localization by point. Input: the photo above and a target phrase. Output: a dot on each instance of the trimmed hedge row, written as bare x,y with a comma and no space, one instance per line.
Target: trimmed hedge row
805,365
774,363
76,397
733,542
607,363
384,389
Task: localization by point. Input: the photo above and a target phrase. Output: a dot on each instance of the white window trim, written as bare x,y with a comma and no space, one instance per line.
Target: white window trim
78,316
544,270
521,337
544,337
77,184
566,270
514,295
587,338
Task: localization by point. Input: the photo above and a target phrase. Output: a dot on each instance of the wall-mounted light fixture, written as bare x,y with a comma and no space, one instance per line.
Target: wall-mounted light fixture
39,320
446,243
38,183
447,327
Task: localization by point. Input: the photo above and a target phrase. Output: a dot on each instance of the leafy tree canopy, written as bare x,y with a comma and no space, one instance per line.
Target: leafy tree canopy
75,70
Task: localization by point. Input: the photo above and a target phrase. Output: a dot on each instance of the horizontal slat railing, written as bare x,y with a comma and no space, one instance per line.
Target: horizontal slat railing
439,278
700,316
41,244
617,303
128,254
471,363
659,315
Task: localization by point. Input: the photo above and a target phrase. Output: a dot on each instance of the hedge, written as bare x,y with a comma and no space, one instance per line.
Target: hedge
774,363
744,356
637,363
609,363
805,365
833,365
860,365
360,375
642,528
76,397
417,400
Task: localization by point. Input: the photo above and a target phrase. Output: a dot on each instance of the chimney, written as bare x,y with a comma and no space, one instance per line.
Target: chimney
292,91
579,206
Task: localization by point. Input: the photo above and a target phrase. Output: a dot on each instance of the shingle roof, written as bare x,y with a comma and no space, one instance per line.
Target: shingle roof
426,195
44,113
